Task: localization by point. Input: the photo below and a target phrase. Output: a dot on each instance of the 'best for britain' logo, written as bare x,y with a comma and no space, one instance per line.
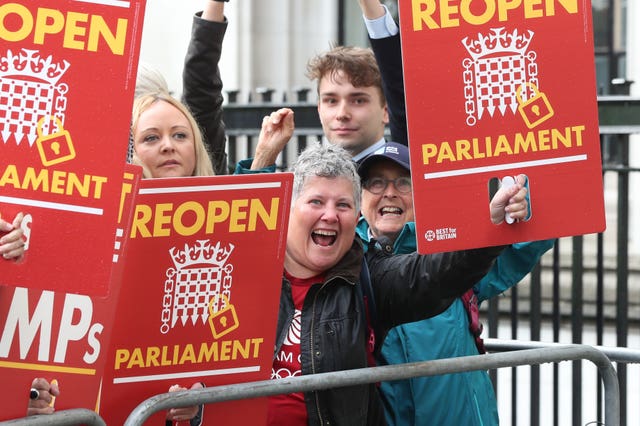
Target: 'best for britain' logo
440,234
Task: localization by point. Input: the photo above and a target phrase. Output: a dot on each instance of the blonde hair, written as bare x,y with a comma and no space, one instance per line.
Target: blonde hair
149,80
203,162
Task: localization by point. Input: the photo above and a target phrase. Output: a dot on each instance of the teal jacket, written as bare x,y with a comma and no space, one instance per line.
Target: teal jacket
455,399
244,168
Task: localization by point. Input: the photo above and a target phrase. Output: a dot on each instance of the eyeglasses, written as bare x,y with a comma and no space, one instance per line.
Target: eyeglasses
378,185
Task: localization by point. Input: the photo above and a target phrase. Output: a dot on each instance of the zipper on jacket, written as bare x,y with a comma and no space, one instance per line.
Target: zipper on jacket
312,334
312,352
311,339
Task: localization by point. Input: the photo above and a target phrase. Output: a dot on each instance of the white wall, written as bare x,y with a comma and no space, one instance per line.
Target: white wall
267,43
165,36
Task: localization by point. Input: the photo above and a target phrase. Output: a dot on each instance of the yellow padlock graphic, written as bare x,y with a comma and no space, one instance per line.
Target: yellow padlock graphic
536,109
54,148
225,320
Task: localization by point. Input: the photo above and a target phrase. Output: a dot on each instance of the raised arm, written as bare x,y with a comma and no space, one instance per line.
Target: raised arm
202,84
276,131
372,9
213,11
517,260
513,264
385,43
412,287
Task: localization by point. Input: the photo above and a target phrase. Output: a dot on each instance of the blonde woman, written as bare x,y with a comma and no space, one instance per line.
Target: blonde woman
166,139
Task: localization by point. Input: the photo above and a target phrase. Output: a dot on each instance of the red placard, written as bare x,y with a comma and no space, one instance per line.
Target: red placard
200,293
67,78
495,89
58,335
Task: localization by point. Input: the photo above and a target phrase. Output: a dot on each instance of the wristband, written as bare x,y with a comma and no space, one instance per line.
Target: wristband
221,1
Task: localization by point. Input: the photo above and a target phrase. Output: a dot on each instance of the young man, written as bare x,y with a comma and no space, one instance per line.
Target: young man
351,103
351,106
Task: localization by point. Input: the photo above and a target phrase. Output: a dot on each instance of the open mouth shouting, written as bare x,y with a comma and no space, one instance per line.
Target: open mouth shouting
324,237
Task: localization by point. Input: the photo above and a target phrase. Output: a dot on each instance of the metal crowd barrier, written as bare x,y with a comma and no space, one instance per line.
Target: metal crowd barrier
620,355
391,372
615,354
535,354
77,416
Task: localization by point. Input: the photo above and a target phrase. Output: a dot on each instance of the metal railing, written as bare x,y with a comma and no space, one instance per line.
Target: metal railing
558,394
77,416
390,372
513,353
615,354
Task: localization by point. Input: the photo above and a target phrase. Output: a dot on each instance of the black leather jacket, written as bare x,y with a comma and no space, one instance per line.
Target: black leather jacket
333,327
202,87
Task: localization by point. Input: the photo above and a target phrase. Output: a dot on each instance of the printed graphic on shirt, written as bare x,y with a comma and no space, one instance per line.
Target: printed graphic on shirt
287,363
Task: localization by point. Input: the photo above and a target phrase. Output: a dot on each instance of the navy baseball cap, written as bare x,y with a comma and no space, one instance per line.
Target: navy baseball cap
393,151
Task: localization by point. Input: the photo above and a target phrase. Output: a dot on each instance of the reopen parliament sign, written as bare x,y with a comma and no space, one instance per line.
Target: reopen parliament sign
67,79
495,89
200,292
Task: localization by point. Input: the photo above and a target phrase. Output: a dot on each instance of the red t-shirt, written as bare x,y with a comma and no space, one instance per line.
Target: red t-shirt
290,410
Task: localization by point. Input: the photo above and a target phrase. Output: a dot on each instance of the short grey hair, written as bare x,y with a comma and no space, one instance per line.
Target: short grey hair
327,161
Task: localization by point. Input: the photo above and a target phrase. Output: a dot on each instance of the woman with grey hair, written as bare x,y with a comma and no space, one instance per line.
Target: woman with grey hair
314,163
322,321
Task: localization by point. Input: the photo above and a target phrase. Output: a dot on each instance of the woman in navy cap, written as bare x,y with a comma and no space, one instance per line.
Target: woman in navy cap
453,399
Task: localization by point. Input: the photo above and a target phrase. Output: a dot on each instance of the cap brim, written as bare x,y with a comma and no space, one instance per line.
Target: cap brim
364,167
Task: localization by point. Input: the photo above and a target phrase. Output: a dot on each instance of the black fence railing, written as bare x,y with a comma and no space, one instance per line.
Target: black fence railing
586,290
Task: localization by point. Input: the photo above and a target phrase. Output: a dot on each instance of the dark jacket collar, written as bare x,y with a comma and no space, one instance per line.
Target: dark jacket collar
348,268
